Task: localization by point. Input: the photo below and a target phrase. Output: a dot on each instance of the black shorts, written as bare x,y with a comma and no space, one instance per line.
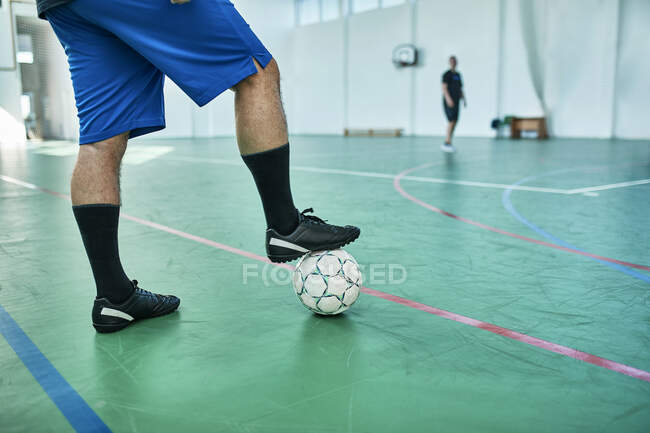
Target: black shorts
451,112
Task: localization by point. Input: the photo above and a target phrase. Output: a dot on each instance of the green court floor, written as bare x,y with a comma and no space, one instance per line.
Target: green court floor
517,239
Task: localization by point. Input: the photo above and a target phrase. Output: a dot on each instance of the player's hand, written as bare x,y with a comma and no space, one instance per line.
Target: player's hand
179,2
450,103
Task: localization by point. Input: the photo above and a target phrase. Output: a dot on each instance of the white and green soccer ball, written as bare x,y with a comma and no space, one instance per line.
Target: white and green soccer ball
327,282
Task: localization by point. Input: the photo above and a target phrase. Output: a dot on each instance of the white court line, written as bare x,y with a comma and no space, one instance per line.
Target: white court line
206,160
12,241
379,175
151,152
58,150
610,186
135,155
486,185
18,182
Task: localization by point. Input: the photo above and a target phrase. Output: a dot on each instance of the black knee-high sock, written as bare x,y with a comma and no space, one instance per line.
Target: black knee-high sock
270,170
98,226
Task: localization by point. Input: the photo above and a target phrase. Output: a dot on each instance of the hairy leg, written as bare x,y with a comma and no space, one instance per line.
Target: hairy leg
96,206
260,121
95,203
264,144
96,176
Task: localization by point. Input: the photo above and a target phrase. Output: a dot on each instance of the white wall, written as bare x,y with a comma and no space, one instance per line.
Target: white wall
12,127
580,50
577,62
378,93
632,93
61,114
588,60
6,48
317,80
517,92
273,25
442,30
584,64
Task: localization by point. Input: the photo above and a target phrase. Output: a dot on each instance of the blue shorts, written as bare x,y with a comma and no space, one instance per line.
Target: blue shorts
119,52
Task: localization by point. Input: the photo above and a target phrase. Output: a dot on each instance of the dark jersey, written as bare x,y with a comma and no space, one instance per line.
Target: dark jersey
454,84
43,5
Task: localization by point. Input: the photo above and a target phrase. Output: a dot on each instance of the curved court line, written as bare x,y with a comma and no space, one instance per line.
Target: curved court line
372,174
495,329
397,185
507,204
75,409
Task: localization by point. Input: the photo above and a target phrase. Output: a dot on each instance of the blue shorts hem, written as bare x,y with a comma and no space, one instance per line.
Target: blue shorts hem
137,127
263,59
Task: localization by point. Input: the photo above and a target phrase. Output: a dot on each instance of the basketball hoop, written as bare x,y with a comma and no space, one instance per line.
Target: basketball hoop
405,55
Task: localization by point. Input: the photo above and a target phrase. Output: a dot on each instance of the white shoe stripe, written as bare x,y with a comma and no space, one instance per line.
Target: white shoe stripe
289,245
115,313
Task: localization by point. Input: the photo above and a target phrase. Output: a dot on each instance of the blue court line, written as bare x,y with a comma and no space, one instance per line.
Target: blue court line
80,416
507,203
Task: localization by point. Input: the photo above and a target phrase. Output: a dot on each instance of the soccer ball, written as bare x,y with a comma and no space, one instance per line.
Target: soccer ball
327,282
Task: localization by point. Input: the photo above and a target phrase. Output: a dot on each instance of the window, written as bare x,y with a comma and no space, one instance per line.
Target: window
317,11
24,54
364,5
330,10
308,11
389,3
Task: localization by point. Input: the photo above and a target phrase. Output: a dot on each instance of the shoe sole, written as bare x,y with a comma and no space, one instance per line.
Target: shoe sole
336,246
114,327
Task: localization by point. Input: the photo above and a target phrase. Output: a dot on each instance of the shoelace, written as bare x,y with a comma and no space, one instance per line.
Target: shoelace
313,218
156,297
143,292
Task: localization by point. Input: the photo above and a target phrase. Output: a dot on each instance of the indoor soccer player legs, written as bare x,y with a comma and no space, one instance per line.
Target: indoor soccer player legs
260,120
450,131
263,143
95,192
95,178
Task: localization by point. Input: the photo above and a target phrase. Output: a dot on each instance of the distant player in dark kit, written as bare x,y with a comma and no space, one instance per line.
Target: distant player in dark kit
452,93
119,52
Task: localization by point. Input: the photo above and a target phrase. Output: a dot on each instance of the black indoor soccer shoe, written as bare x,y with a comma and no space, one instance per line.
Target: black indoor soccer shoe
109,317
312,234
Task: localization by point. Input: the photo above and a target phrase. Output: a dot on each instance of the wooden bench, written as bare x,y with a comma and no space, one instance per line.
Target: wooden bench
397,132
519,124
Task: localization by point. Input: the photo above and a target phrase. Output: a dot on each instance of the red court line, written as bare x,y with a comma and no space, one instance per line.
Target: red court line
495,329
205,241
514,335
397,185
